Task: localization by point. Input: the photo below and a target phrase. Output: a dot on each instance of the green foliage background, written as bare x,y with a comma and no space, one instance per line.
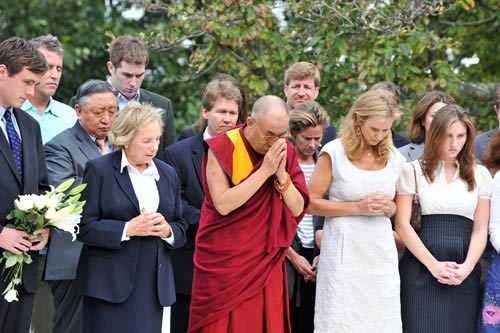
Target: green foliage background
417,44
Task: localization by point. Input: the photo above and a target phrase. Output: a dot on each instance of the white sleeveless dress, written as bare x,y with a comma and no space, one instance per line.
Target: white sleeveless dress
358,279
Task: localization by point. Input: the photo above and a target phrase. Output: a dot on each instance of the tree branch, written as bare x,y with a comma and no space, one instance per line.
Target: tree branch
470,24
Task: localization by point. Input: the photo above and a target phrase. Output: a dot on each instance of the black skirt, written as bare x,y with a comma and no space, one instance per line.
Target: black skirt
427,305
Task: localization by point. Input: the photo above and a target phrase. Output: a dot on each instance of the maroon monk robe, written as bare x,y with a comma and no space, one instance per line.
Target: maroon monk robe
236,254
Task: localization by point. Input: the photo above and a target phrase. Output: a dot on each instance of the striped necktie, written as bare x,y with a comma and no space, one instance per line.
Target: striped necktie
15,142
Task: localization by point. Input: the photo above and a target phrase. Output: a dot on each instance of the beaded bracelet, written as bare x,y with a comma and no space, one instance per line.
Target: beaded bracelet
282,188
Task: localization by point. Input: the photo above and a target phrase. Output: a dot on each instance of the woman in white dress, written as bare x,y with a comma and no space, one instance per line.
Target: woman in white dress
440,274
358,281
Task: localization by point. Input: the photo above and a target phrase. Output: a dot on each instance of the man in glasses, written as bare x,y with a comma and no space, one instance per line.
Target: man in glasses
255,195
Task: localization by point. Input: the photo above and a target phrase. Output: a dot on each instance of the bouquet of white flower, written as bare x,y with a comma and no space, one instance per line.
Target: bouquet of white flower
54,209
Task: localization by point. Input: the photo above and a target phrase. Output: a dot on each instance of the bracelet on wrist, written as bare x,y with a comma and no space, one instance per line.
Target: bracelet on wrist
281,188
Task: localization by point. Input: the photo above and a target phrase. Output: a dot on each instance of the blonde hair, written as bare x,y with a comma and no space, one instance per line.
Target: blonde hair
129,120
373,104
302,70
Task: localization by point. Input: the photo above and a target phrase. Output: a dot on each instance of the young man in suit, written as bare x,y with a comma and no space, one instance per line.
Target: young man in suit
23,169
221,105
128,57
66,155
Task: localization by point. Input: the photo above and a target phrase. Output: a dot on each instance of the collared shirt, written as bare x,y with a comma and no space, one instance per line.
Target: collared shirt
145,189
124,101
3,123
206,135
56,118
443,196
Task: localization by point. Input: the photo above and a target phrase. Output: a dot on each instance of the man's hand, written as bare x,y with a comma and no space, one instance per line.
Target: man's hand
274,158
35,243
15,241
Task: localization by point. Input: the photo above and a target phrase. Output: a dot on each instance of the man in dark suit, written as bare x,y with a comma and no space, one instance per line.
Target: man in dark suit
483,139
221,106
66,155
128,57
23,169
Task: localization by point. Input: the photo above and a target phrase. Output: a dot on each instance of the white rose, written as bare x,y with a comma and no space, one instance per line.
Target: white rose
40,201
25,202
11,295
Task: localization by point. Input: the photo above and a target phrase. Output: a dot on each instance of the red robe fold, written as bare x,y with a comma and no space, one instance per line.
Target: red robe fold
236,254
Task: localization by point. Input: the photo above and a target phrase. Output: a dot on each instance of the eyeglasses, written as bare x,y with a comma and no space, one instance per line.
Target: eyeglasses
268,137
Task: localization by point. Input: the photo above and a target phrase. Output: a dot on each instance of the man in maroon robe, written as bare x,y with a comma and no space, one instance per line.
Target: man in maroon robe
255,195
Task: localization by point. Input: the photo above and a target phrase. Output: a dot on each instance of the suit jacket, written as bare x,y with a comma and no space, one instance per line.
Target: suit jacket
107,266
35,181
188,132
168,136
399,140
481,143
186,157
66,155
329,135
412,151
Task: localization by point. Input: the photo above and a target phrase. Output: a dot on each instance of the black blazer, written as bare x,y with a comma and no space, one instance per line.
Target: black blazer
186,157
168,136
35,181
107,265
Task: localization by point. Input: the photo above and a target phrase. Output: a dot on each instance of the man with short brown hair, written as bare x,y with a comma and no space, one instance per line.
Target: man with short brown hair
23,170
128,57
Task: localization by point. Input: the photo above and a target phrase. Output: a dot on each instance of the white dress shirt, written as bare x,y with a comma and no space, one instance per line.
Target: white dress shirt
145,189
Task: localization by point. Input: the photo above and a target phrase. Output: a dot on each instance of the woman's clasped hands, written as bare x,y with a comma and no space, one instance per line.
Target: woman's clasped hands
376,203
149,224
449,272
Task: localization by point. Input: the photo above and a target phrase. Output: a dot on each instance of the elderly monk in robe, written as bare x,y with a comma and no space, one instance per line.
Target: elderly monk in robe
255,195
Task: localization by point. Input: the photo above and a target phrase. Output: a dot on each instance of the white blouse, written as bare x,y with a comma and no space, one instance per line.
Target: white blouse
495,213
145,189
441,197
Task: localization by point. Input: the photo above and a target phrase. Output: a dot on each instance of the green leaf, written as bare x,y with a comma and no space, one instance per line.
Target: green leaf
11,261
27,258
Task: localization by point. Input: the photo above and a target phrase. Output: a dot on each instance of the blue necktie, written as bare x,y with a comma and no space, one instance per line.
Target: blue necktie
15,142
